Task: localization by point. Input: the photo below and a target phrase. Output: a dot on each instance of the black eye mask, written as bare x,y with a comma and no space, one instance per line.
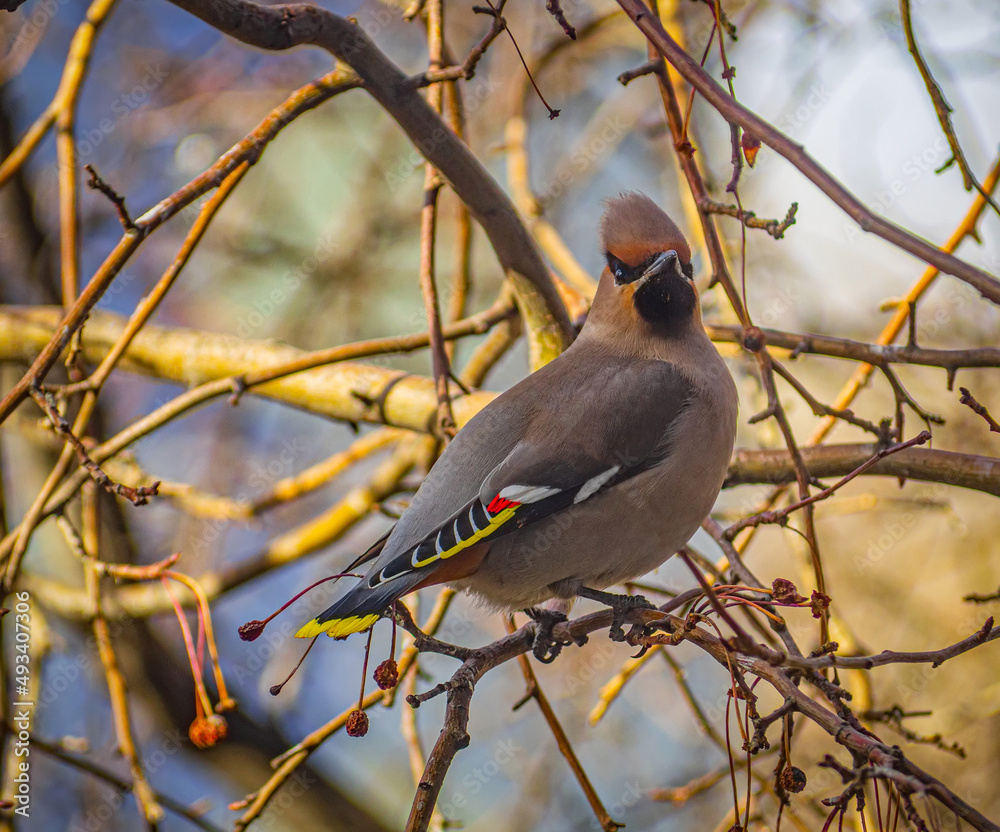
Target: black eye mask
624,273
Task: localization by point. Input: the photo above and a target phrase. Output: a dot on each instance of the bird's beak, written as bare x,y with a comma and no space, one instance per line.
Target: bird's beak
661,266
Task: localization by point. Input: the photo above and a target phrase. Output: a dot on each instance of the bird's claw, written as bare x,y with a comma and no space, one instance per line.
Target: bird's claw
546,647
620,606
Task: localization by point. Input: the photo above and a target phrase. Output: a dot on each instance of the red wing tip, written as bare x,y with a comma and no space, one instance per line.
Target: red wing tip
499,503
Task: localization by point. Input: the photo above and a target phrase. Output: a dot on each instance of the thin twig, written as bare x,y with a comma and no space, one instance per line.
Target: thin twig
776,228
55,751
149,809
968,399
753,658
73,75
250,149
552,113
754,338
894,717
96,183
903,397
467,70
647,68
434,10
966,228
549,325
735,113
93,384
137,496
554,8
821,409
781,516
696,184
982,599
942,108
214,389
704,724
934,658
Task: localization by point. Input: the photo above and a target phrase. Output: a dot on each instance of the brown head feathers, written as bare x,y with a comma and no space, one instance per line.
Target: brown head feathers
635,229
646,296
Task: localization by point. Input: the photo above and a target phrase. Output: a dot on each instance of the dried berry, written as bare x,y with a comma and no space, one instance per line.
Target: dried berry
357,723
251,630
386,674
792,780
819,602
206,731
783,591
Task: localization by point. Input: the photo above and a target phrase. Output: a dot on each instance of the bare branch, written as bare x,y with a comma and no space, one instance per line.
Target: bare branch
781,516
534,691
877,355
776,228
96,183
554,8
934,658
735,113
775,466
941,107
285,26
969,400
137,496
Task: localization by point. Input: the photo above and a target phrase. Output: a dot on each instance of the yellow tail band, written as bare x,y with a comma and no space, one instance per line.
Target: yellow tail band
338,627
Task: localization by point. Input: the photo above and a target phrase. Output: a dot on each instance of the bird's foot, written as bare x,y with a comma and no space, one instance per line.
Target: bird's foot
620,605
546,647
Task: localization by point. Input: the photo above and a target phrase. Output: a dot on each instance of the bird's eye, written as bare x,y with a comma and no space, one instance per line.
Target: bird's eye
621,272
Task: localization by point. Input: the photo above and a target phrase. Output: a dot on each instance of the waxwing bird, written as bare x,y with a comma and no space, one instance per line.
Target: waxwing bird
588,473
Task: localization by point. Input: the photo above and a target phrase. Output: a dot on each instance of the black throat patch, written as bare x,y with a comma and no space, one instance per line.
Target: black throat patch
666,302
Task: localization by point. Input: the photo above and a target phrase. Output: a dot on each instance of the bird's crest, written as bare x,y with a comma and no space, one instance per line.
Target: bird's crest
635,229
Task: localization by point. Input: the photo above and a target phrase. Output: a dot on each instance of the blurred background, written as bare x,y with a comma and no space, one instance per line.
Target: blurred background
337,196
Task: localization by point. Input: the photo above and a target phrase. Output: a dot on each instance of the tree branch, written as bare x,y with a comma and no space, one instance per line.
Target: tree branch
877,355
980,473
941,107
735,113
282,27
